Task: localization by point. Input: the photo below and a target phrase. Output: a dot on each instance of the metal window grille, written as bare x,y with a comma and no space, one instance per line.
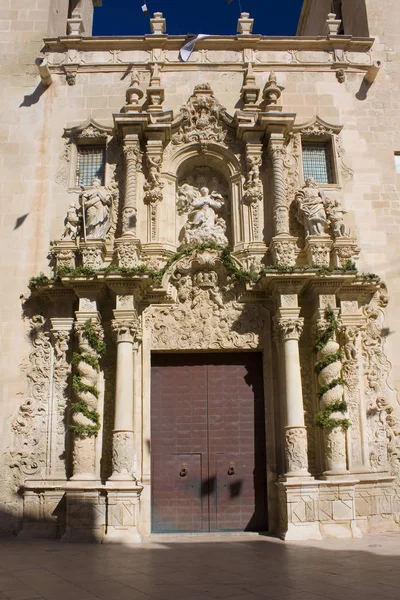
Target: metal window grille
91,162
317,161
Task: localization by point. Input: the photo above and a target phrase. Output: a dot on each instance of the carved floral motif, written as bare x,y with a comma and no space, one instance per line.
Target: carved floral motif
201,118
28,454
122,455
289,329
296,449
126,330
207,314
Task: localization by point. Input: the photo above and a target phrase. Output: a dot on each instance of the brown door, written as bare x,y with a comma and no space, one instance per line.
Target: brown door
208,443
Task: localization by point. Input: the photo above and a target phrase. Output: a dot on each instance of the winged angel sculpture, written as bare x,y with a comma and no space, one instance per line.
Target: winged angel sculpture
204,222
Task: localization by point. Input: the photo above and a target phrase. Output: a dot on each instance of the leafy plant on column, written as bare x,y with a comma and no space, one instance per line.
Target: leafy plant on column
332,416
85,418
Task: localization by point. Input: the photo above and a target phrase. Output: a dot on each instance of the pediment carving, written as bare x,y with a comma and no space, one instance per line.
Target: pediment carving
317,126
207,314
90,129
202,119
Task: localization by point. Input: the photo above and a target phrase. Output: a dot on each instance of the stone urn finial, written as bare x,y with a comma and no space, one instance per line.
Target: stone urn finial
272,91
133,94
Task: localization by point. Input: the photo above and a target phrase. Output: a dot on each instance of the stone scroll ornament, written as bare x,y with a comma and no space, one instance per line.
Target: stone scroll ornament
205,223
27,456
332,416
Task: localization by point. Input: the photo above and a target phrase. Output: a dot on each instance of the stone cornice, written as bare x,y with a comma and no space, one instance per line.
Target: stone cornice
215,42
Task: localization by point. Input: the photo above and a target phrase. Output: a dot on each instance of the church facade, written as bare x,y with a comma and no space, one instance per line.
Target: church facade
200,330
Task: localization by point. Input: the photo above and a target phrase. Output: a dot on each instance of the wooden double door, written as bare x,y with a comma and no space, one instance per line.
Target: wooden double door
208,443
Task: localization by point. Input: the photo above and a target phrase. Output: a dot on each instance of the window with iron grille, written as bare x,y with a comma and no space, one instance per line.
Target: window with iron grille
91,163
317,161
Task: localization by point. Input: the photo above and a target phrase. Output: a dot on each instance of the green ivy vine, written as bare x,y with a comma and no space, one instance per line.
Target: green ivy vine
324,418
79,405
156,275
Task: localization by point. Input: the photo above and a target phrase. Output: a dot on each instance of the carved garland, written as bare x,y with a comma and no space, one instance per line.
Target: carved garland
329,368
86,419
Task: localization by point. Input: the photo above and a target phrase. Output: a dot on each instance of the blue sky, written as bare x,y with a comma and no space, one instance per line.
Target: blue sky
125,17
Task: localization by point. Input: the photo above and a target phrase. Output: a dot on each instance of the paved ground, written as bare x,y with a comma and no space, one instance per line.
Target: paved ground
234,568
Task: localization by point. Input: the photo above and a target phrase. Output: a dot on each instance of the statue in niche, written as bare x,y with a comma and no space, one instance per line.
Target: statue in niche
204,224
311,213
96,204
334,213
72,223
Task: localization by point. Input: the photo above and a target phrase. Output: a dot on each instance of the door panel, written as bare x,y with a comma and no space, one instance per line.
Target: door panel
211,405
179,478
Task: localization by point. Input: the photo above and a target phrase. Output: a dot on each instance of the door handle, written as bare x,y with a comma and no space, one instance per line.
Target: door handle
231,469
183,472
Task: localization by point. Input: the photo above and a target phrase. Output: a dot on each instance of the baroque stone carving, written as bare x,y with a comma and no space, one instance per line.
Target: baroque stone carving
289,329
201,118
127,254
126,330
382,412
284,252
351,336
272,91
72,223
334,213
296,449
62,369
96,203
203,223
207,314
153,186
122,455
310,208
28,454
253,191
92,256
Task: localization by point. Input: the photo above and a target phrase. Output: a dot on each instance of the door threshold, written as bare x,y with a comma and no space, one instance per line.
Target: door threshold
203,536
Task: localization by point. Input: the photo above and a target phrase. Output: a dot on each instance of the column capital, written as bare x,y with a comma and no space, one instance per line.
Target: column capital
289,327
126,330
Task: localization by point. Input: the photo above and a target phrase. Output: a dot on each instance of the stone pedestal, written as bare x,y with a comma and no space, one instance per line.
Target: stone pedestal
44,510
128,251
298,507
318,250
283,250
93,252
344,250
122,515
64,252
85,515
337,509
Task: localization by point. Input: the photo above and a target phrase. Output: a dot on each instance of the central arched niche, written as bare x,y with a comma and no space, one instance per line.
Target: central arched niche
203,203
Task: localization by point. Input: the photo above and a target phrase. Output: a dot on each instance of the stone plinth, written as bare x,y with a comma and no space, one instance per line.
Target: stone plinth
318,249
